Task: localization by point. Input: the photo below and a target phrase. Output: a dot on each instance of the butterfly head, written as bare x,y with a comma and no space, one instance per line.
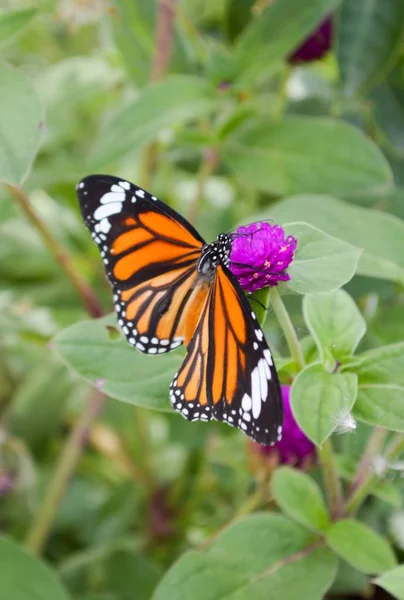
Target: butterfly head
215,254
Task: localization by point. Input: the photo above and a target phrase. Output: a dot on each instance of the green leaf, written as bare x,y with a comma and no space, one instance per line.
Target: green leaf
177,99
40,400
23,577
114,366
20,125
133,27
380,365
381,405
299,497
381,236
335,323
393,582
360,546
388,113
127,570
321,263
288,156
275,33
14,21
265,572
349,581
238,14
320,400
369,34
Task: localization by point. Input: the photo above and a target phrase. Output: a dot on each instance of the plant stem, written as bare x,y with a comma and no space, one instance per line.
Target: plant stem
207,167
59,253
373,449
67,464
332,482
75,443
287,327
162,55
371,478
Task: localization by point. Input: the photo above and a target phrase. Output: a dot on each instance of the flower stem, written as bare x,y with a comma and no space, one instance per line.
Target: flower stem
163,50
59,253
373,449
67,464
332,482
371,477
287,327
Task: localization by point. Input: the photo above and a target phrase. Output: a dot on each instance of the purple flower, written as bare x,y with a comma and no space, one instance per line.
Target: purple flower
260,255
294,448
315,46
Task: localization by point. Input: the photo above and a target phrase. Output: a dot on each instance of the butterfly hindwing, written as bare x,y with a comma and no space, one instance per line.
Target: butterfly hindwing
150,255
228,373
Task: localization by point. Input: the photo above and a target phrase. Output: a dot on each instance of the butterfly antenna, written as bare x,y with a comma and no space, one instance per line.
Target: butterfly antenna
258,301
233,231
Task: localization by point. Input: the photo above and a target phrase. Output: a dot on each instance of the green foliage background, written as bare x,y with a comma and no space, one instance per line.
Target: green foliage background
108,500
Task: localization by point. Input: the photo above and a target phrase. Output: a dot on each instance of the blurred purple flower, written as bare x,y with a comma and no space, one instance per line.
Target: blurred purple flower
6,484
293,449
315,46
260,255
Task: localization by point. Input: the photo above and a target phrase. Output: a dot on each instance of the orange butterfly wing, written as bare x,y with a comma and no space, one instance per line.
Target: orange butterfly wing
150,255
228,373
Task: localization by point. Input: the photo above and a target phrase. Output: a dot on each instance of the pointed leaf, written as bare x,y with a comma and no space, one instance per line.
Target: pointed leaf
335,323
265,572
384,365
321,262
360,546
381,405
393,582
379,234
111,364
300,498
320,399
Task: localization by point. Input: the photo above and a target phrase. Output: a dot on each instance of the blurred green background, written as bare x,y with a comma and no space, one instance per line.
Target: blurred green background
215,113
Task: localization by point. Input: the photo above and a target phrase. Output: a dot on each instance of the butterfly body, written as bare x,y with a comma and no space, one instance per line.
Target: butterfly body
170,288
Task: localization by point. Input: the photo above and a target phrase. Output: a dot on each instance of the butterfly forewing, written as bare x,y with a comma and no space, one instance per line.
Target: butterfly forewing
228,373
150,255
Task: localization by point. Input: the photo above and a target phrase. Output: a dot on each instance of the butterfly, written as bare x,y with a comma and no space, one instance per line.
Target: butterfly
170,288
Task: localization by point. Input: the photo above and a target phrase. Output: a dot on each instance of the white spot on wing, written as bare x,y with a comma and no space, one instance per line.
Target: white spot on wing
256,393
105,225
113,196
263,379
268,356
106,210
246,402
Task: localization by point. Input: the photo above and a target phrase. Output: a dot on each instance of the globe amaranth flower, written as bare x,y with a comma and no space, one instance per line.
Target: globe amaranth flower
260,255
294,448
315,46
